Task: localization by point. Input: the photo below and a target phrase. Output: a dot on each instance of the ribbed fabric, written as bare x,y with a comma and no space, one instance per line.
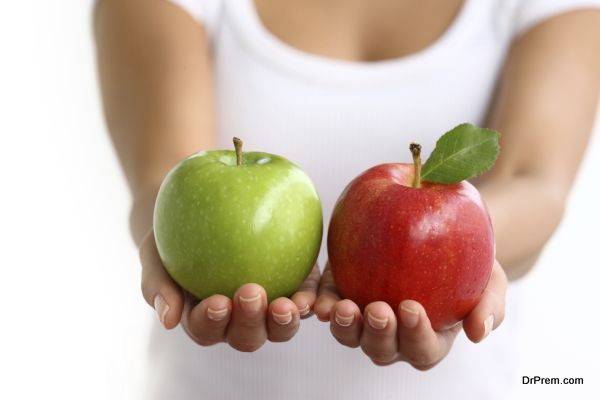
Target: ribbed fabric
335,119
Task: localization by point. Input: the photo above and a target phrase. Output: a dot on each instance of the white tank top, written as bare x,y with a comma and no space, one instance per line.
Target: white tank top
335,119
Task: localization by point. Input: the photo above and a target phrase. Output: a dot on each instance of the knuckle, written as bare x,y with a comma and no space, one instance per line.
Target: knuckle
382,357
346,338
423,367
283,335
322,304
381,364
279,339
313,279
199,338
245,347
204,342
421,360
347,342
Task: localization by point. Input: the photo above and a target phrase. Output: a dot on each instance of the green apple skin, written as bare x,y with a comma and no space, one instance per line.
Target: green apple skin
219,225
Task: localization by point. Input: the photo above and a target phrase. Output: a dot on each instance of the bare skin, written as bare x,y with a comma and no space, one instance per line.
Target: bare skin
165,87
159,110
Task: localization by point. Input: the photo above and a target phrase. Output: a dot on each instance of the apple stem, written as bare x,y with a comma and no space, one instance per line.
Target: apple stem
415,149
237,143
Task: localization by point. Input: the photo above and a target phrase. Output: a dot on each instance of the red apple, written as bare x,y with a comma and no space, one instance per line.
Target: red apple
391,241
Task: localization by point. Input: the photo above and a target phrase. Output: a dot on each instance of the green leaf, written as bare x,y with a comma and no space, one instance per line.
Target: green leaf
462,153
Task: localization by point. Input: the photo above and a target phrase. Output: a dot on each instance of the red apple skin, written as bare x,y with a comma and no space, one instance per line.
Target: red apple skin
389,241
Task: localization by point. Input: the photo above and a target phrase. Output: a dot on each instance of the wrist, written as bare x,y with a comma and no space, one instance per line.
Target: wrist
141,214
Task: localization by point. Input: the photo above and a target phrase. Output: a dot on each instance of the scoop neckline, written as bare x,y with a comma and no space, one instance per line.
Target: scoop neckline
259,40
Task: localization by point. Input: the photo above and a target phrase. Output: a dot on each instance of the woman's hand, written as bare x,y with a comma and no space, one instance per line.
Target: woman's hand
387,336
245,322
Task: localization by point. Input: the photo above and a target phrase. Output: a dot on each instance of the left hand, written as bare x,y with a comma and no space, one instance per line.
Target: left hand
387,337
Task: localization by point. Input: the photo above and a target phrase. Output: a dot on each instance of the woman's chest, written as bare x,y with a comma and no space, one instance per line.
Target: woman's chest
358,30
270,87
336,118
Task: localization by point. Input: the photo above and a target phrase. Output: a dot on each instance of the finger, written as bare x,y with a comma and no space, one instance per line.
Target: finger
206,322
489,313
247,329
379,340
158,289
305,297
283,320
328,295
346,324
418,343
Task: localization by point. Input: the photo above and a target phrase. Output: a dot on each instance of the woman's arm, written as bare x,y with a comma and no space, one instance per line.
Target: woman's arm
545,109
156,81
154,65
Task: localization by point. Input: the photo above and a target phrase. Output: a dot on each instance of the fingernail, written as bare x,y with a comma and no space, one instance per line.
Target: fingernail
410,319
251,304
216,315
376,323
282,319
344,321
161,307
305,310
487,326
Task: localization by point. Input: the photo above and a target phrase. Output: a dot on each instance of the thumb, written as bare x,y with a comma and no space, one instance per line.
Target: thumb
158,288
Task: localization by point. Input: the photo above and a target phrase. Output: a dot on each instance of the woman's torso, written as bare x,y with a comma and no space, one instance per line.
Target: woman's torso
320,104
336,115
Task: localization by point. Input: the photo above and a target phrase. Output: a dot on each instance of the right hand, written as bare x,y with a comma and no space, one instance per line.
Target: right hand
244,322
388,336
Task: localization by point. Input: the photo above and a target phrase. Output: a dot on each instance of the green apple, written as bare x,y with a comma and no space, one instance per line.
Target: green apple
223,219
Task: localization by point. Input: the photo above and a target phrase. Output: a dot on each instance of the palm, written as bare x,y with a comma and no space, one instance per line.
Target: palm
245,321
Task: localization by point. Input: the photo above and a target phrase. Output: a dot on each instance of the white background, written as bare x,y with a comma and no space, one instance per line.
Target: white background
73,324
